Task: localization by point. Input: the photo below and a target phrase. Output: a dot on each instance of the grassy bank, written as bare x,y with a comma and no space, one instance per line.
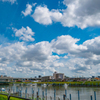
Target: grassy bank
3,92
3,97
73,83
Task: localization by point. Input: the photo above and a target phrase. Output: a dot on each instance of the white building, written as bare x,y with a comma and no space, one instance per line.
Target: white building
46,78
58,75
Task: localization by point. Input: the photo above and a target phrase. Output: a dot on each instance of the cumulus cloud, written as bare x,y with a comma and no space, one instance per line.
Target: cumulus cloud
19,57
87,53
77,65
44,16
28,10
80,13
24,33
39,57
12,1
38,52
66,44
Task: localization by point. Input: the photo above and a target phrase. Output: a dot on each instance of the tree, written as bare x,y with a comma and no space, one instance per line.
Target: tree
39,76
35,77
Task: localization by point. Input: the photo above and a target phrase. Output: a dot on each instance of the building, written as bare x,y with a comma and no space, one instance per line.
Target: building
46,78
6,79
57,76
54,75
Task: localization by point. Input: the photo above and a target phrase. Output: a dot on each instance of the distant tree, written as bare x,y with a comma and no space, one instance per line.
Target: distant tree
39,76
35,77
66,77
5,75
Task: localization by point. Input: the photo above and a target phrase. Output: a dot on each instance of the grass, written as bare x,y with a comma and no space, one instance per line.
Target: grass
81,83
13,98
44,82
87,82
93,82
3,97
3,92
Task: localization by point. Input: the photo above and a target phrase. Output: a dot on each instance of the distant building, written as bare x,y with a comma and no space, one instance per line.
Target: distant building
54,75
58,76
1,75
93,79
46,78
89,79
5,76
98,79
6,79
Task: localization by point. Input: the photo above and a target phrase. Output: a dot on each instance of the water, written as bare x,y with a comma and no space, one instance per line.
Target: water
85,92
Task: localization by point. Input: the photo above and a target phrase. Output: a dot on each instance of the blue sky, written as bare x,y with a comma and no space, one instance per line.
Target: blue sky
40,37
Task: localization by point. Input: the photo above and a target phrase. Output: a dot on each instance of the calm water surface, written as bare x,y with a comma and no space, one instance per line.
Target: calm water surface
85,92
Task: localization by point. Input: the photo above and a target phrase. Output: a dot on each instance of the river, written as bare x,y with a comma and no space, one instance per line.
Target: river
84,92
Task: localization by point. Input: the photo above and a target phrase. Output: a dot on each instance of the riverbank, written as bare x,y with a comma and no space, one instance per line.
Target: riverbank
87,83
3,97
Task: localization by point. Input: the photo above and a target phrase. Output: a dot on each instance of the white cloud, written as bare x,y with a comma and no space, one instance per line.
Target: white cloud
24,33
38,52
42,15
20,58
28,10
27,58
34,4
67,44
12,1
77,65
65,57
80,13
83,57
64,44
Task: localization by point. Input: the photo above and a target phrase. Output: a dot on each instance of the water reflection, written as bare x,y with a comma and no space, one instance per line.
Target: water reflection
85,92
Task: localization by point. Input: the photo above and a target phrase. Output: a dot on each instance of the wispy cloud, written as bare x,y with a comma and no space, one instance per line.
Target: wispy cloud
12,1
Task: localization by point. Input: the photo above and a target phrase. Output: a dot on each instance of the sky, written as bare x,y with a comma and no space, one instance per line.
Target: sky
39,37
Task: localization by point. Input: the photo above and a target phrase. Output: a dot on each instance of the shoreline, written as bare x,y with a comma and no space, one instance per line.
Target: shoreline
71,84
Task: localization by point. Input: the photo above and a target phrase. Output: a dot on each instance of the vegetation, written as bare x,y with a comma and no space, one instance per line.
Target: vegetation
12,98
3,97
3,92
73,83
